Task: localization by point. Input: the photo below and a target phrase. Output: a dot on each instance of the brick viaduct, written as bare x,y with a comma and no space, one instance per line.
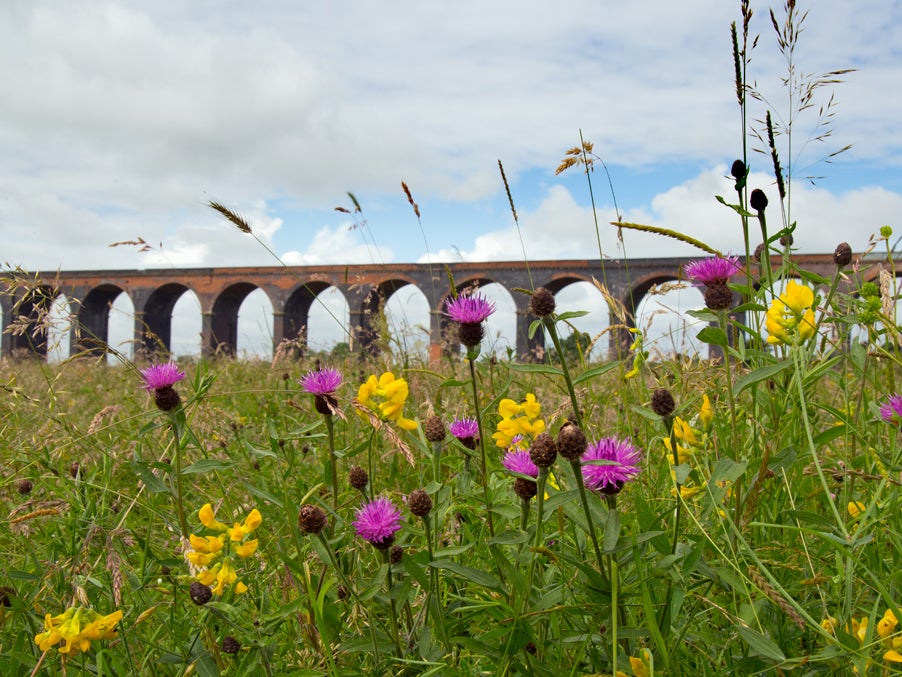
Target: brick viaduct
292,290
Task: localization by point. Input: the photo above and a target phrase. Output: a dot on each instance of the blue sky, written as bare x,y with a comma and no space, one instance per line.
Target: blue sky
126,117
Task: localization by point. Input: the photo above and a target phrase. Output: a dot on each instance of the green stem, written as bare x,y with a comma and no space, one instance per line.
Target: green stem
176,433
485,472
333,466
537,542
590,524
549,324
386,554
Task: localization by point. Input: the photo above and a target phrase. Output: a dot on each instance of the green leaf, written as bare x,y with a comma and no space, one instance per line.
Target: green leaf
611,531
570,314
206,465
597,371
761,374
153,483
476,576
265,495
535,368
713,335
760,645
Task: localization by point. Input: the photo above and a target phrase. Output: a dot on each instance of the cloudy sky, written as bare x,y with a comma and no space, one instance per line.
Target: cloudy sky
122,119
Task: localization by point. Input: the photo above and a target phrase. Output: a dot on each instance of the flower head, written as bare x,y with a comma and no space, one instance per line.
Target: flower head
717,270
465,428
519,462
609,478
160,376
377,522
518,419
322,382
212,554
76,627
791,315
891,410
386,396
469,308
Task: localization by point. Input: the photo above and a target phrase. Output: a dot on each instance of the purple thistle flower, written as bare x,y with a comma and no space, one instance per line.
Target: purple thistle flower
160,376
717,270
609,479
377,522
891,411
470,309
520,462
465,429
322,382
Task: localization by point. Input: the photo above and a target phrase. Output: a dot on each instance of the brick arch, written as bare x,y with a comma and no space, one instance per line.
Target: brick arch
154,318
224,317
33,305
364,324
296,311
92,330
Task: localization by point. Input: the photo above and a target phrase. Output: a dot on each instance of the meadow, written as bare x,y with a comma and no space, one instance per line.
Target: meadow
378,514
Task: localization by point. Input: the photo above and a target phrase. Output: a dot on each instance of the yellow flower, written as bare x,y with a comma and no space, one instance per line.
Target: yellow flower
683,431
887,625
640,666
855,509
212,554
892,656
208,518
386,397
706,413
240,531
830,624
791,316
77,627
247,549
860,629
518,419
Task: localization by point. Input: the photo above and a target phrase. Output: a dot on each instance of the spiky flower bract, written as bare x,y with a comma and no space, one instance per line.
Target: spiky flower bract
377,522
717,270
609,478
160,376
891,410
470,308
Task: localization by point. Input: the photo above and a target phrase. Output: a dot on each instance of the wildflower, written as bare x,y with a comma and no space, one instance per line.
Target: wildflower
891,410
641,664
887,625
639,356
791,316
377,522
470,311
311,519
662,402
386,397
434,429
230,645
322,385
358,478
200,593
419,502
856,509
623,459
519,462
77,627
842,256
158,380
713,271
467,431
543,451
212,554
518,419
706,413
571,441
542,302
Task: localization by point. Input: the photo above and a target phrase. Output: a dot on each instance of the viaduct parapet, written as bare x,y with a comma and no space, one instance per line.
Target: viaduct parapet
293,289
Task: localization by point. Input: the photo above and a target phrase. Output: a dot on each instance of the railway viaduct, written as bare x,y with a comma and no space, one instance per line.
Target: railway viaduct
292,291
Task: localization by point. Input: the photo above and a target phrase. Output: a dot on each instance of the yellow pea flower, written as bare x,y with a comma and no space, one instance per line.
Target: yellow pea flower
855,509
706,413
887,625
518,419
247,549
791,316
386,396
76,627
208,518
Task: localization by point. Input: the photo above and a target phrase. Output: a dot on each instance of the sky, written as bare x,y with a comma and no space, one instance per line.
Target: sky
122,120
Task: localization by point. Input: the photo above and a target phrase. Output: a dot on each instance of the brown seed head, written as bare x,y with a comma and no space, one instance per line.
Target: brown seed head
471,333
758,200
24,486
311,519
166,398
230,645
395,554
662,402
434,429
843,254
525,489
200,593
542,303
358,478
571,441
718,297
543,450
737,171
419,503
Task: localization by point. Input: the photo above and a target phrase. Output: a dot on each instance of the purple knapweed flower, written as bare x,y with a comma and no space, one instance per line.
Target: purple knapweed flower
714,271
519,462
377,522
465,429
160,376
891,411
609,479
322,382
470,309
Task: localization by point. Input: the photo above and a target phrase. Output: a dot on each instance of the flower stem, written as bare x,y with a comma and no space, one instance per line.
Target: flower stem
391,602
333,466
174,424
485,472
552,332
590,524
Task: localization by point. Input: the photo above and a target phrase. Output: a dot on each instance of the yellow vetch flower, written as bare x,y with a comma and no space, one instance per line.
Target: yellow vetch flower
213,552
518,419
706,413
208,518
77,627
640,666
830,624
855,509
887,625
791,315
247,549
386,397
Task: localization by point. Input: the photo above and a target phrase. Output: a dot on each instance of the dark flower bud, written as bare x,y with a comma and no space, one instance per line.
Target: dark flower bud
200,593
662,402
342,592
612,488
166,398
571,441
395,554
6,593
758,200
326,405
542,302
24,486
419,503
471,333
434,429
311,519
843,254
525,489
358,478
737,171
230,645
787,240
74,468
760,251
543,450
718,297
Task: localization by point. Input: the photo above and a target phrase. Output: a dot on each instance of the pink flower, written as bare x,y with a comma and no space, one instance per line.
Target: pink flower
322,385
891,411
717,270
377,522
465,429
160,376
519,462
623,466
470,309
